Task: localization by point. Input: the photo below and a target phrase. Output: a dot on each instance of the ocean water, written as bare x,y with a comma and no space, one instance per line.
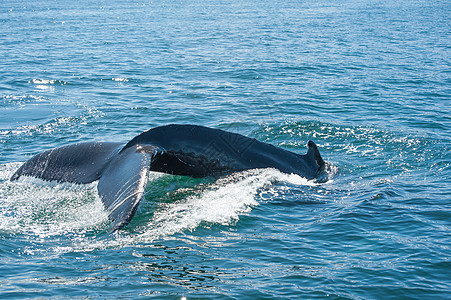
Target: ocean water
368,81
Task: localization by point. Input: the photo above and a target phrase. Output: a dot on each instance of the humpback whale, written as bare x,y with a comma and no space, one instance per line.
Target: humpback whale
190,150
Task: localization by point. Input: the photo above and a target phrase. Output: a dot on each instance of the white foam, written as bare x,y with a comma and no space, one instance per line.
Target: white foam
45,210
223,202
35,207
119,79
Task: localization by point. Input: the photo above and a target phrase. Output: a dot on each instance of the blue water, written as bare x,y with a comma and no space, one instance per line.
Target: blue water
368,81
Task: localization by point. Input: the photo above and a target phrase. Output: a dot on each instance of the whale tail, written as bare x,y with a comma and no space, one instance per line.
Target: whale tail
192,151
77,163
121,171
124,180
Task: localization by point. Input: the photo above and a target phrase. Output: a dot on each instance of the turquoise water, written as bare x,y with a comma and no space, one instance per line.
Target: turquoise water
368,81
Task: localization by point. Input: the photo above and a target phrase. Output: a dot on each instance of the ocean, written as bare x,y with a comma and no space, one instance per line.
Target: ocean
368,81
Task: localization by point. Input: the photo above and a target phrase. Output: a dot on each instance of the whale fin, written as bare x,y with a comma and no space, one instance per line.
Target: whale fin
77,163
123,182
314,159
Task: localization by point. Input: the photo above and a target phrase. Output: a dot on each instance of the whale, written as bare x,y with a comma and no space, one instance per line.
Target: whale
121,169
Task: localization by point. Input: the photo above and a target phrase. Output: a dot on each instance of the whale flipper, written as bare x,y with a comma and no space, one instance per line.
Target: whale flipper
123,182
77,163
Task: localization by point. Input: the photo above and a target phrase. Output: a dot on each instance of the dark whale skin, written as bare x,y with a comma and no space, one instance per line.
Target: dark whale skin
199,151
189,150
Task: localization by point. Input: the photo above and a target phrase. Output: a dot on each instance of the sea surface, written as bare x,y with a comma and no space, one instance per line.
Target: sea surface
368,81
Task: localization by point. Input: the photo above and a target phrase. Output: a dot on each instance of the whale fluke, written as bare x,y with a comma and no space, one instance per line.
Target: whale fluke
123,182
77,163
188,150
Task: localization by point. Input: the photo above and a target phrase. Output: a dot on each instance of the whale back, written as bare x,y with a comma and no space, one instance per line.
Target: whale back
199,151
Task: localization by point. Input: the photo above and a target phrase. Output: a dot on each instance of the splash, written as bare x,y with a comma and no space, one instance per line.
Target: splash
222,202
42,209
57,212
